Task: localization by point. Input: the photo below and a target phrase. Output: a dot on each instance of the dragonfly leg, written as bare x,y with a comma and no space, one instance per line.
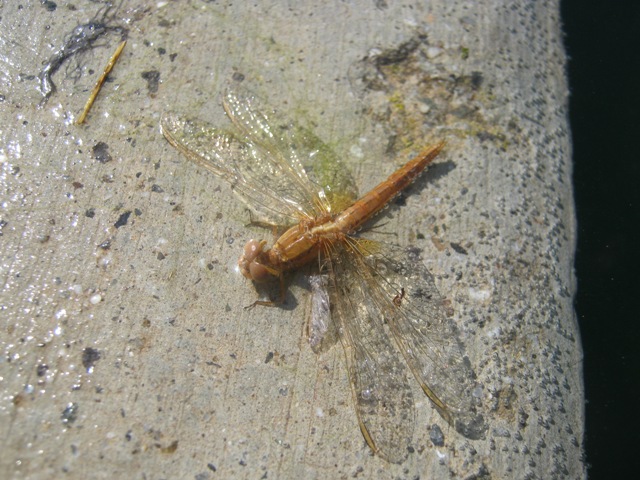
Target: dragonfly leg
272,303
276,229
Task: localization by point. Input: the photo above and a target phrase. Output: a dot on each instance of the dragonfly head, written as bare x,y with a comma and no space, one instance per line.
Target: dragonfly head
250,264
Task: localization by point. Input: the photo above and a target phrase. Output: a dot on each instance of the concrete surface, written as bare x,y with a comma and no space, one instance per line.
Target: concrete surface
126,351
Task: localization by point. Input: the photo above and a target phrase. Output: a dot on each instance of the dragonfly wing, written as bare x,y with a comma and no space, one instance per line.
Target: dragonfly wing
406,295
312,168
322,329
382,395
242,165
282,171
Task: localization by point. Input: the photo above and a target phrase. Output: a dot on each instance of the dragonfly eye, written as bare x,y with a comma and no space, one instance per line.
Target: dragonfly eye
251,251
258,272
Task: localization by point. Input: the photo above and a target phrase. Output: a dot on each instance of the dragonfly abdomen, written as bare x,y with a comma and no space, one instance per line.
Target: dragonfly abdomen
362,210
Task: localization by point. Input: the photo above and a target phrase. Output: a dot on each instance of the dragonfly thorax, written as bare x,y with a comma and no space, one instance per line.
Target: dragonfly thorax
298,246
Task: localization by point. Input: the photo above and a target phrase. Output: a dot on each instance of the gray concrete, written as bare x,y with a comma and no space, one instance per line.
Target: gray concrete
126,352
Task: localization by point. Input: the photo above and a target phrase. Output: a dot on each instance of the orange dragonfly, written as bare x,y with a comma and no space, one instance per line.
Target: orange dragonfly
369,294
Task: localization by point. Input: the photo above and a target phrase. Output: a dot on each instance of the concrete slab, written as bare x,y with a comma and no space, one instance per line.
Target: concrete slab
126,351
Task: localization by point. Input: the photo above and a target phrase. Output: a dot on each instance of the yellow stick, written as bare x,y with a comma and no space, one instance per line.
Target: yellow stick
98,85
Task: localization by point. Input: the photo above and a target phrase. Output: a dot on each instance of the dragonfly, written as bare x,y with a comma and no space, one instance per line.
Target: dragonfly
379,299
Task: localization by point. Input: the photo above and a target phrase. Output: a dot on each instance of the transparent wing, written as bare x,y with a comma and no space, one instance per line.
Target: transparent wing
382,395
265,163
401,290
276,154
321,329
253,177
312,167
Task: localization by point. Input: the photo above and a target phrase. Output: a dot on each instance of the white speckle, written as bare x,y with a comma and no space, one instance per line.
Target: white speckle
477,392
61,314
105,261
28,389
77,289
433,52
57,331
95,299
56,111
319,412
494,332
356,151
479,295
424,108
14,149
411,22
441,455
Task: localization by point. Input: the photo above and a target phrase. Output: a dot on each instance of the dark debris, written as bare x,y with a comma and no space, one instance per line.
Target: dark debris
81,39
